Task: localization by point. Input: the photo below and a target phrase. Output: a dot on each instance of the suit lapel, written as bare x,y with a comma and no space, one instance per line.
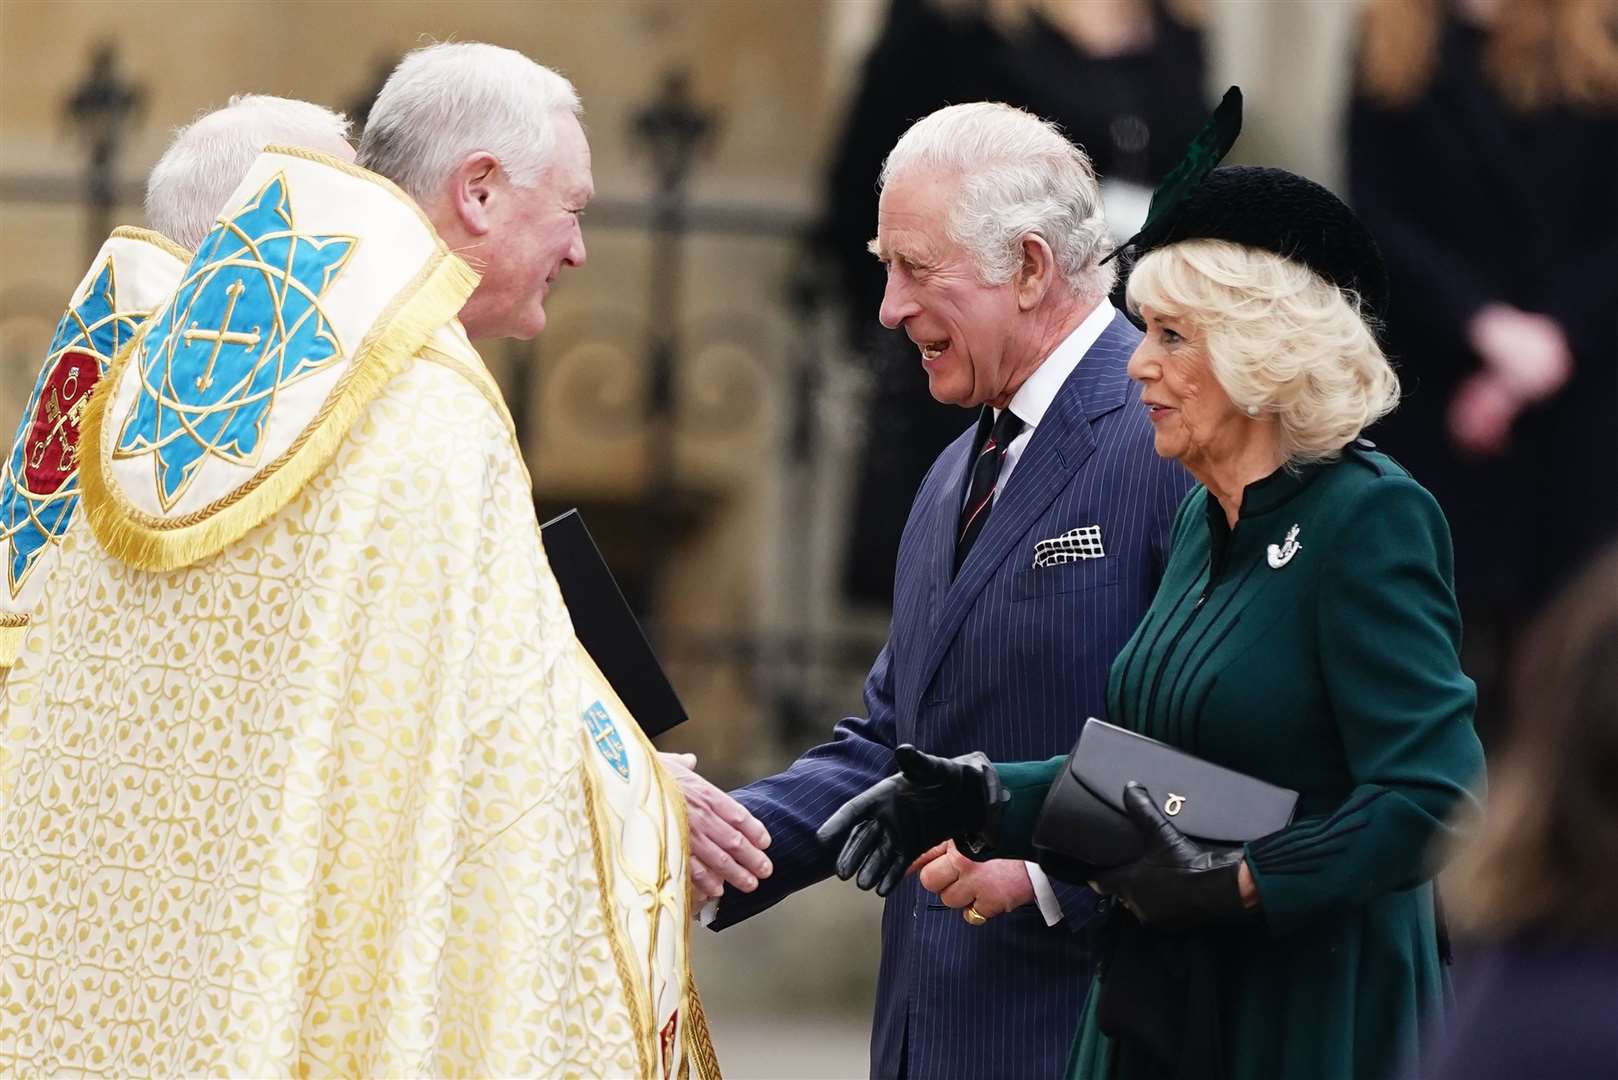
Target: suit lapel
1060,445
946,511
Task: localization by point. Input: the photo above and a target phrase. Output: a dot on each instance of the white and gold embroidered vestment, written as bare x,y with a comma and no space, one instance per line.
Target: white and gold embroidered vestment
303,771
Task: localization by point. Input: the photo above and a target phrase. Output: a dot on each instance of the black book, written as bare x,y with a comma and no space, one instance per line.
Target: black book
607,628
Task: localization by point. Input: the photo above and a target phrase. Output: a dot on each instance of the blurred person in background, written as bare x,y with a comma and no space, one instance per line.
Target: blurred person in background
1305,633
1123,79
1483,156
1031,550
1536,891
135,271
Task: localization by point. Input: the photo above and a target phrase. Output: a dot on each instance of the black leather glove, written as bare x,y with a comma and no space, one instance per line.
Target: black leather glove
1178,882
929,800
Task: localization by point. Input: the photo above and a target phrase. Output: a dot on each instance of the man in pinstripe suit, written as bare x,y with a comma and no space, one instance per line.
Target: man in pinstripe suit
991,229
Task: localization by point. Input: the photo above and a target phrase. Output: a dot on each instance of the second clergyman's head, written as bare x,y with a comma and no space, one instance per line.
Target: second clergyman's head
206,159
490,145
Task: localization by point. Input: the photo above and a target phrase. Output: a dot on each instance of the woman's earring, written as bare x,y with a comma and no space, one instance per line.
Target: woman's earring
1252,410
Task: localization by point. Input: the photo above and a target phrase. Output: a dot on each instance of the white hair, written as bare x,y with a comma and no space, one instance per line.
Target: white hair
452,99
1018,176
207,158
1281,340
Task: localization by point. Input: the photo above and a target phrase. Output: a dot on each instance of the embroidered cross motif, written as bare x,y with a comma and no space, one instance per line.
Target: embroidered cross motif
222,336
604,733
245,324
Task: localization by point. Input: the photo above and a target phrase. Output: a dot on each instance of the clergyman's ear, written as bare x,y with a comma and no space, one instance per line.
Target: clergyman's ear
472,186
1036,273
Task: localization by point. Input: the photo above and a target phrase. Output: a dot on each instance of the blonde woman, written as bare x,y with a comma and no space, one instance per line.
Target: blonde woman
1305,633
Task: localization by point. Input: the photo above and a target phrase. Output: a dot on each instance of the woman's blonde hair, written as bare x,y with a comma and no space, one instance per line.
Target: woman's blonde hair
1281,340
1540,53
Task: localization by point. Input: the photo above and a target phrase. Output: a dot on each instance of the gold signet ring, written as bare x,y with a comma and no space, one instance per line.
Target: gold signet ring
973,916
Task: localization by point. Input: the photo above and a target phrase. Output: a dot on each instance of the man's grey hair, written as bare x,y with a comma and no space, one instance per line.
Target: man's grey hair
452,99
207,158
1018,175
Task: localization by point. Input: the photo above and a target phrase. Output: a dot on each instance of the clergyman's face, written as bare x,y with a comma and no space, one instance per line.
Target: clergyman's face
538,233
1192,416
961,326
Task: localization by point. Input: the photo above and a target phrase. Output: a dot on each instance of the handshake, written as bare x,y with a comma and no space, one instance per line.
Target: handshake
727,842
940,816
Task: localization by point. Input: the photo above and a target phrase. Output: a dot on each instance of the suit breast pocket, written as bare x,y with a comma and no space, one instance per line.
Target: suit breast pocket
1042,581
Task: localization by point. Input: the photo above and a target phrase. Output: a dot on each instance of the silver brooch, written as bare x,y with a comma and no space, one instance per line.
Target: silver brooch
1281,554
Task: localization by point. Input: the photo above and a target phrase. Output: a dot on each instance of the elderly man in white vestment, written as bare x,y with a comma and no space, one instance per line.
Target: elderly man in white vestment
305,770
135,270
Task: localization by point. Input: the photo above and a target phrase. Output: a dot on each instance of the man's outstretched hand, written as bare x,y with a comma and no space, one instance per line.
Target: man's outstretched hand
891,824
727,842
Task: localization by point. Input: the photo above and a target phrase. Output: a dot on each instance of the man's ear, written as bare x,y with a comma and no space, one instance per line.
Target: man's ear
472,186
1036,273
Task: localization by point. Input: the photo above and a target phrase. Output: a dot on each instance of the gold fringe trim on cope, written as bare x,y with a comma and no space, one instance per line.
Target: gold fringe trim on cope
151,543
13,628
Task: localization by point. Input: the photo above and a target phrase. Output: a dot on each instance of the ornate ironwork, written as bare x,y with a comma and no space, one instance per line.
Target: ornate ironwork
674,131
101,108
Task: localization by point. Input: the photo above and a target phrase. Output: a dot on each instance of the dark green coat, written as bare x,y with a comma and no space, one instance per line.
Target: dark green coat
1334,674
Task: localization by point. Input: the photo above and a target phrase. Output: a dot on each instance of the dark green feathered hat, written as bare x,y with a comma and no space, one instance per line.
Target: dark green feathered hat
1271,209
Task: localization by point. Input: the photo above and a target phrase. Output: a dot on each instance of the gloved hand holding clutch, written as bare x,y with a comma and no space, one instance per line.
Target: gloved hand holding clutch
1178,882
929,800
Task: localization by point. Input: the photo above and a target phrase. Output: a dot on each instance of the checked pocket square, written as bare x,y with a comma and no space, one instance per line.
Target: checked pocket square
1083,542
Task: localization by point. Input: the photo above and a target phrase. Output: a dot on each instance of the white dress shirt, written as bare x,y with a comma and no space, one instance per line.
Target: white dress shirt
1030,403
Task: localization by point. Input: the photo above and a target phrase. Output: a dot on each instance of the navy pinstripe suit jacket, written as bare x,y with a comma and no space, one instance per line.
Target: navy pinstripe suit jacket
1009,660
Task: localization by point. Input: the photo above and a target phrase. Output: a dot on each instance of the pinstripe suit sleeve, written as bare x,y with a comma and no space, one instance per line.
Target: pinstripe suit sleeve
793,804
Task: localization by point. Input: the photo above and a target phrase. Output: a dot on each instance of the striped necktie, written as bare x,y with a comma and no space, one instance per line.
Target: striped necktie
985,481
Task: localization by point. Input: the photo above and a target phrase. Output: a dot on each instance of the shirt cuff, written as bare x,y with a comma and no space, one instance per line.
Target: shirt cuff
1044,895
710,911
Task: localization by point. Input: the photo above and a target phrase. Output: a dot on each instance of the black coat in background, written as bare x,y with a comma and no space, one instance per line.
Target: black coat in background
1474,202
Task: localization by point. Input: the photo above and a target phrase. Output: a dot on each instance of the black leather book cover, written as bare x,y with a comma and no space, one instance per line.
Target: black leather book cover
606,626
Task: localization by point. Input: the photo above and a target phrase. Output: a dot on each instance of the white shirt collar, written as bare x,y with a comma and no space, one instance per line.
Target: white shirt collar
1036,394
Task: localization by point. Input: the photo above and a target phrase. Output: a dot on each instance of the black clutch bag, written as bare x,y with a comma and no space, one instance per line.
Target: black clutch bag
1083,826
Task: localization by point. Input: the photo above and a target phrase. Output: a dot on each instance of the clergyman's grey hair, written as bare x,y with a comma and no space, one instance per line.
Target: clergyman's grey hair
207,158
452,99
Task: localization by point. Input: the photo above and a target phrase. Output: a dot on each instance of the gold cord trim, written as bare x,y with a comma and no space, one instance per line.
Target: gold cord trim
481,381
155,238
151,543
699,1040
640,1011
